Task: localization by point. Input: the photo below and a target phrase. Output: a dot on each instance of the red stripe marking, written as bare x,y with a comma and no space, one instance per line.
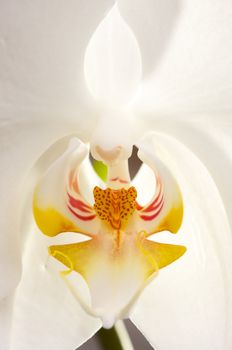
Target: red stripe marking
151,207
149,218
114,179
118,179
123,181
84,218
154,205
76,203
138,206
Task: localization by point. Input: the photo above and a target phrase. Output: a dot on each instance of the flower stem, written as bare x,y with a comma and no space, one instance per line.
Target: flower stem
123,335
116,338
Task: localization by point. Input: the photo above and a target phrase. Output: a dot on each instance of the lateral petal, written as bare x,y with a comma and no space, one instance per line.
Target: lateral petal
58,203
21,145
165,210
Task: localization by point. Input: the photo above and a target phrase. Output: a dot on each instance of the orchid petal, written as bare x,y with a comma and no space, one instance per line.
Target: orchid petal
186,48
20,146
212,143
42,55
113,62
189,305
46,315
6,306
59,205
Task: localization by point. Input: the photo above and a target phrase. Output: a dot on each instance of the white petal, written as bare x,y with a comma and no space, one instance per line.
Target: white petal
212,143
20,144
112,62
46,315
5,322
42,47
188,306
186,50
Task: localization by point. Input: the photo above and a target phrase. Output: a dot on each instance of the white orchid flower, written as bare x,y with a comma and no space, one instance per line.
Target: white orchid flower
71,82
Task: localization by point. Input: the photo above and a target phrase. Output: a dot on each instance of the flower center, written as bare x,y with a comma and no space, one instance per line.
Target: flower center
115,207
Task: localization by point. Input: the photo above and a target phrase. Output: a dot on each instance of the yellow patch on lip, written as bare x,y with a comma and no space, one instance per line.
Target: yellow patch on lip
115,207
158,255
76,256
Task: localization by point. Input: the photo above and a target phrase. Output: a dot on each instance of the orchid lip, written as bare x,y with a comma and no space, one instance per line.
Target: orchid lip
118,260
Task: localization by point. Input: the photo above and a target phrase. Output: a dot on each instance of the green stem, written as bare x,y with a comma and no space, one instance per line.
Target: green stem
116,338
